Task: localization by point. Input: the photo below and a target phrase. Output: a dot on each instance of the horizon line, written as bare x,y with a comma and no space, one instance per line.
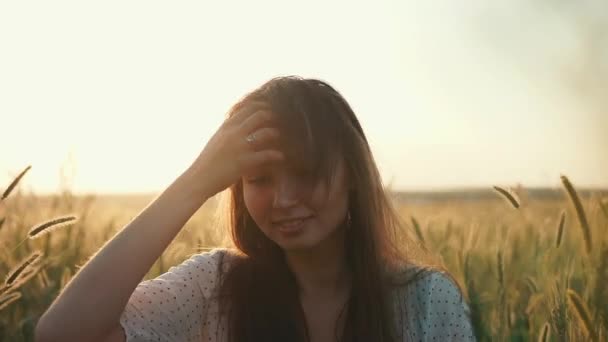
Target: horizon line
462,189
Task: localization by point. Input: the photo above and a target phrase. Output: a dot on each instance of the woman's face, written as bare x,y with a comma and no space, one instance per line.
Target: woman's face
293,210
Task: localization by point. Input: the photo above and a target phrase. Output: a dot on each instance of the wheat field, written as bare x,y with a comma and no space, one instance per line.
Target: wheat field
532,267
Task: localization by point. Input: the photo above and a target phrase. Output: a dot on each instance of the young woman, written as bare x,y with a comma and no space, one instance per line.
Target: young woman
318,252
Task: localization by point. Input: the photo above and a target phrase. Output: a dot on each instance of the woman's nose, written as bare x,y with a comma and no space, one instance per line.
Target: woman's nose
286,192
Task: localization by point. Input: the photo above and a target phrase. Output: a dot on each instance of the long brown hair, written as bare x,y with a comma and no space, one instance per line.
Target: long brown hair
259,292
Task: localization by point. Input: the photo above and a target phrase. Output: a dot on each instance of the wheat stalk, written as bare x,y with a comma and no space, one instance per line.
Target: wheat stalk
559,314
534,301
511,197
26,275
14,183
601,291
580,212
48,226
531,284
604,205
14,274
545,333
4,288
417,229
9,298
500,267
582,313
560,229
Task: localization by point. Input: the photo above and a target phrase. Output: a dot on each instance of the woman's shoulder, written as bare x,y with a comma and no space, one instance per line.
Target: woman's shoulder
432,303
203,268
161,307
427,284
413,276
213,260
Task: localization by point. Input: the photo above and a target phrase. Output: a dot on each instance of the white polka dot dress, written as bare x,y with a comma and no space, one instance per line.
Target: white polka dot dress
182,305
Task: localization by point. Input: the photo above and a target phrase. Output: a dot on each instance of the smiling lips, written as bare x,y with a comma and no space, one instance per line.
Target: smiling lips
290,220
291,223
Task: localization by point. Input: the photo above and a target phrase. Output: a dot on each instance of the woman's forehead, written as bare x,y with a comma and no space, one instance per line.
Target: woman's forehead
287,165
299,167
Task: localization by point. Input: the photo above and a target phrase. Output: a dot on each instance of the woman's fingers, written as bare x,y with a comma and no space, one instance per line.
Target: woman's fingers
245,111
243,143
251,161
259,119
263,137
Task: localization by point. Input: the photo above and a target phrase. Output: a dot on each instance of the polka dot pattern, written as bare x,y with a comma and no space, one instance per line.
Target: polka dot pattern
182,305
432,308
178,305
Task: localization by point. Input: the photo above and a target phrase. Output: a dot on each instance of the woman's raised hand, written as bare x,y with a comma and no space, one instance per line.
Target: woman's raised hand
244,142
101,285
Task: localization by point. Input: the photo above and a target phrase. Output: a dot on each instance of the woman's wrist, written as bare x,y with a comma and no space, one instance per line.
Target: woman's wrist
197,184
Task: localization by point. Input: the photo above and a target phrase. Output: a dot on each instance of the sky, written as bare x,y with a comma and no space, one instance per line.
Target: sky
121,96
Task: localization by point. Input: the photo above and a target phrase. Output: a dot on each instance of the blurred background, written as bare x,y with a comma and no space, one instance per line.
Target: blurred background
110,101
123,95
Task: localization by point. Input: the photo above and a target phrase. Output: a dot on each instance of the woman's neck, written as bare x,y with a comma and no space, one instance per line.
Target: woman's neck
321,272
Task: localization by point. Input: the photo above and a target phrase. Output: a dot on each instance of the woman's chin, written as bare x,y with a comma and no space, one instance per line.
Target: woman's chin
305,240
294,244
300,244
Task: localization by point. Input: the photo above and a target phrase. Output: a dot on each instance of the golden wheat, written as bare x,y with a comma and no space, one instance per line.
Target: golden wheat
14,274
580,212
5,300
27,275
14,183
5,288
501,269
560,229
417,229
578,307
511,197
48,226
531,284
604,205
545,333
472,245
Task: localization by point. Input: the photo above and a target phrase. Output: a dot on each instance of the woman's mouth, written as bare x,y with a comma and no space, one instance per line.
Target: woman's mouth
292,226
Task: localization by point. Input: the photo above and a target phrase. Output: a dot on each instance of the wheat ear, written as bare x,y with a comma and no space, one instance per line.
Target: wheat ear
560,229
580,212
48,226
545,333
512,198
581,312
9,298
14,274
14,183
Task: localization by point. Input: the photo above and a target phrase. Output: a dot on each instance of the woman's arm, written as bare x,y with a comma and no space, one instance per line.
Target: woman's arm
89,308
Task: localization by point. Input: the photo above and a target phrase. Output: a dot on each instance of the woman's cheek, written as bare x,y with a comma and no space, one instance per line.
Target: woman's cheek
259,205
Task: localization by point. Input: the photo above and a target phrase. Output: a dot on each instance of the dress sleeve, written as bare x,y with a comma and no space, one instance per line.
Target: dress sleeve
436,310
171,306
